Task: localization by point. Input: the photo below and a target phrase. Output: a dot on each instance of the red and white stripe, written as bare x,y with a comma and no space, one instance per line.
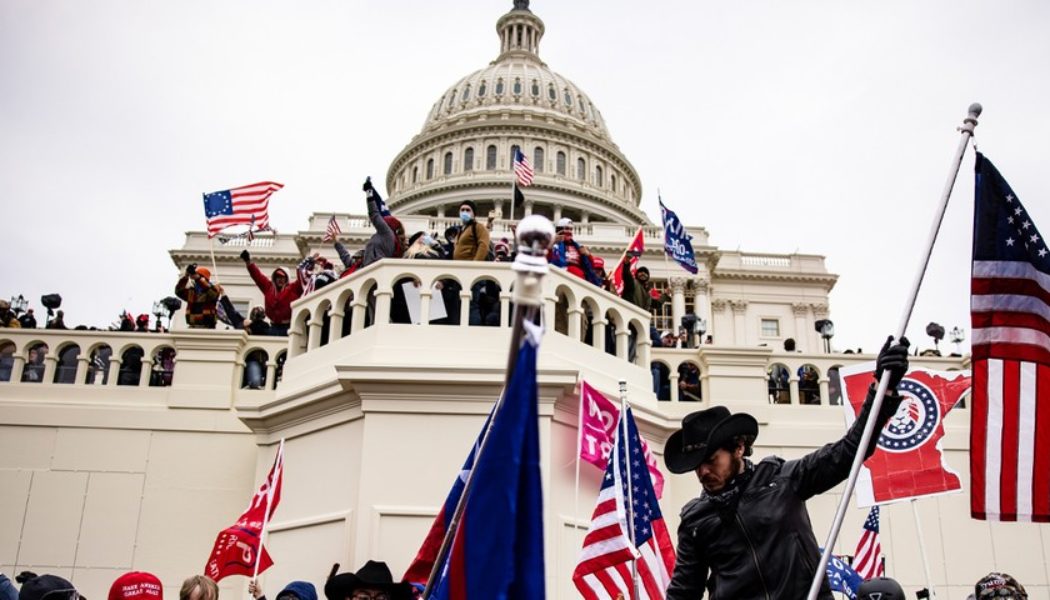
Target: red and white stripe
332,230
251,205
523,171
868,560
1010,436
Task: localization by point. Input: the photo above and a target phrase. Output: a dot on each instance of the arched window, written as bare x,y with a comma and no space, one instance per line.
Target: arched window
466,93
517,86
537,160
514,149
612,182
130,366
430,168
468,159
490,158
552,93
535,89
581,169
499,86
568,97
448,163
66,369
163,367
561,163
7,360
33,371
583,107
451,99
254,377
482,88
598,176
415,174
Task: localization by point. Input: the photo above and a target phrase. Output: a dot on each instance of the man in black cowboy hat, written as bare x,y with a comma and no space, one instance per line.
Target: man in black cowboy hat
371,582
748,535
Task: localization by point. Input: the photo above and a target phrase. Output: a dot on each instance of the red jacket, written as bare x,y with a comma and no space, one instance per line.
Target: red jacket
278,303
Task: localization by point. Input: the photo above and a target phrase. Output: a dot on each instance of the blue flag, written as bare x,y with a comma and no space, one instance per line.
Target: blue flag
842,577
678,244
497,551
380,203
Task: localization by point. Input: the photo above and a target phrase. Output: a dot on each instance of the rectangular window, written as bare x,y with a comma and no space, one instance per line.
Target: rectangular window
770,328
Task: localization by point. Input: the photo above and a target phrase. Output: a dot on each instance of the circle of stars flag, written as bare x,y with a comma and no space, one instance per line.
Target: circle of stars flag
246,205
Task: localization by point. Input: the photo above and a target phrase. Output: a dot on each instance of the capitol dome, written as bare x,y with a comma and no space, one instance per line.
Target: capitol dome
465,148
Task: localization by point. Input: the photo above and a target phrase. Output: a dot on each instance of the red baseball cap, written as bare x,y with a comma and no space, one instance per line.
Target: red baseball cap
136,585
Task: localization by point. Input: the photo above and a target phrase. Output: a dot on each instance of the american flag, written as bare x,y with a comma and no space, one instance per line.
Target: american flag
1010,315
867,560
522,169
245,205
332,231
605,567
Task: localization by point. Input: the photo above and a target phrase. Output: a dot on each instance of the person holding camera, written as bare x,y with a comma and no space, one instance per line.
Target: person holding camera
572,256
200,295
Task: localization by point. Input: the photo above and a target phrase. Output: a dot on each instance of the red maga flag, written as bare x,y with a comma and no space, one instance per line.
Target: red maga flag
1010,315
238,548
908,461
635,250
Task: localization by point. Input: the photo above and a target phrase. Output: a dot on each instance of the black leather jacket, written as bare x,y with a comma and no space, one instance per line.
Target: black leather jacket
765,548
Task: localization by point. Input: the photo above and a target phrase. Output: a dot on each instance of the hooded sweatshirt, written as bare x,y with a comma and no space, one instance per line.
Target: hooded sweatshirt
278,303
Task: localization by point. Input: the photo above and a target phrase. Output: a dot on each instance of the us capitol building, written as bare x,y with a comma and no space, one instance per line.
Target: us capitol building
110,466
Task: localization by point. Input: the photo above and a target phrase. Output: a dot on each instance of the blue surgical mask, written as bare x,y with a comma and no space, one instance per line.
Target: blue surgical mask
465,216
429,241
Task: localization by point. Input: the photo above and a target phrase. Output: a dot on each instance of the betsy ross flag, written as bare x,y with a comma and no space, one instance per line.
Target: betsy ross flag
237,548
332,231
1010,316
867,559
497,550
522,169
631,255
609,557
245,205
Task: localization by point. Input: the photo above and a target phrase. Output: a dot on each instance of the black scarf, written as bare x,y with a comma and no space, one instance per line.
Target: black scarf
729,496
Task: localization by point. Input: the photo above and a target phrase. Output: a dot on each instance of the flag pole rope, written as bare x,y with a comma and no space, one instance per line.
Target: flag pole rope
534,236
969,123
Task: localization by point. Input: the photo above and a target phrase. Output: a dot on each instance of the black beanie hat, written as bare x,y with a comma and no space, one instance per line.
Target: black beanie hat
36,588
471,204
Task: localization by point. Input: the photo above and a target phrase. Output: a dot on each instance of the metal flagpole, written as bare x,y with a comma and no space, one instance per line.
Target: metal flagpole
279,461
214,268
922,549
625,445
513,196
579,449
667,267
969,123
534,235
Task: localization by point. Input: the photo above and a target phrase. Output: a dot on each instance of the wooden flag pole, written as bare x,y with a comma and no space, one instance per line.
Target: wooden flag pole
969,123
535,234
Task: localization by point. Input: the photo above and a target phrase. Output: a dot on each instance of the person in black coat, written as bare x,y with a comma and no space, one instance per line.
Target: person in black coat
748,536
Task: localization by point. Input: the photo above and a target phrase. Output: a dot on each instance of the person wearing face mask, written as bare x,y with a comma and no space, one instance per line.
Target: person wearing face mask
473,240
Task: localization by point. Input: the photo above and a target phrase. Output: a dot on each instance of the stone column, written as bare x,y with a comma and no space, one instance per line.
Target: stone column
271,374
82,369
499,209
718,306
114,370
335,325
739,322
585,217
557,213
575,314
528,207
673,378
441,211
802,339
645,351
825,395
598,333
623,341
504,309
424,306
384,296
313,338
50,364
677,304
147,367
702,301
793,388
464,307
18,368
820,311
357,314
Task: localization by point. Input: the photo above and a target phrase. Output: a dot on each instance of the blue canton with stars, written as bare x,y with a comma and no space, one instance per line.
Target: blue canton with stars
218,203
1003,230
872,522
646,508
907,431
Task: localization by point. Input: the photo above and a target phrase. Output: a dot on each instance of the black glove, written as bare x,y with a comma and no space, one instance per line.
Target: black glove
893,357
246,256
191,269
368,185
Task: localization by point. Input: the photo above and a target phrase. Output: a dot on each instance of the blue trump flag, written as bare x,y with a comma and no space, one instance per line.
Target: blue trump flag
497,551
678,244
842,577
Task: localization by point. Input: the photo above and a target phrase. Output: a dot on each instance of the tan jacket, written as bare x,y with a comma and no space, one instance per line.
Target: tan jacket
472,243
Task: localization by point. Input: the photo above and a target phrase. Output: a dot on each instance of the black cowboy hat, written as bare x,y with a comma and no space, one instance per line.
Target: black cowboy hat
375,575
702,433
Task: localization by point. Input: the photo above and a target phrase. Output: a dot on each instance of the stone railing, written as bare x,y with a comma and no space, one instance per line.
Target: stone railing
211,362
463,295
743,373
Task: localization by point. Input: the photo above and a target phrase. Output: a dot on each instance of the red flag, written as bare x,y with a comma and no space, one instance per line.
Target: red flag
238,548
908,462
632,253
598,417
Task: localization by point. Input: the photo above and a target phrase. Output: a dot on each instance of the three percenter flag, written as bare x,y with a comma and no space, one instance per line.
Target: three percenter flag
1010,315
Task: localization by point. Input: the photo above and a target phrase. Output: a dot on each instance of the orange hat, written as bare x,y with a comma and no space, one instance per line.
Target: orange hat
204,272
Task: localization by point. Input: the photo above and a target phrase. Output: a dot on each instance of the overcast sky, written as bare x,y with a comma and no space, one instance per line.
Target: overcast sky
818,127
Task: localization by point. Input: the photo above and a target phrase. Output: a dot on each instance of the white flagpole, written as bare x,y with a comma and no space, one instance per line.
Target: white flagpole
969,123
922,549
579,450
214,269
625,444
279,461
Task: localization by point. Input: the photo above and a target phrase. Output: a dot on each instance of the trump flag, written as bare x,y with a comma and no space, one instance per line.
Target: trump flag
908,462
